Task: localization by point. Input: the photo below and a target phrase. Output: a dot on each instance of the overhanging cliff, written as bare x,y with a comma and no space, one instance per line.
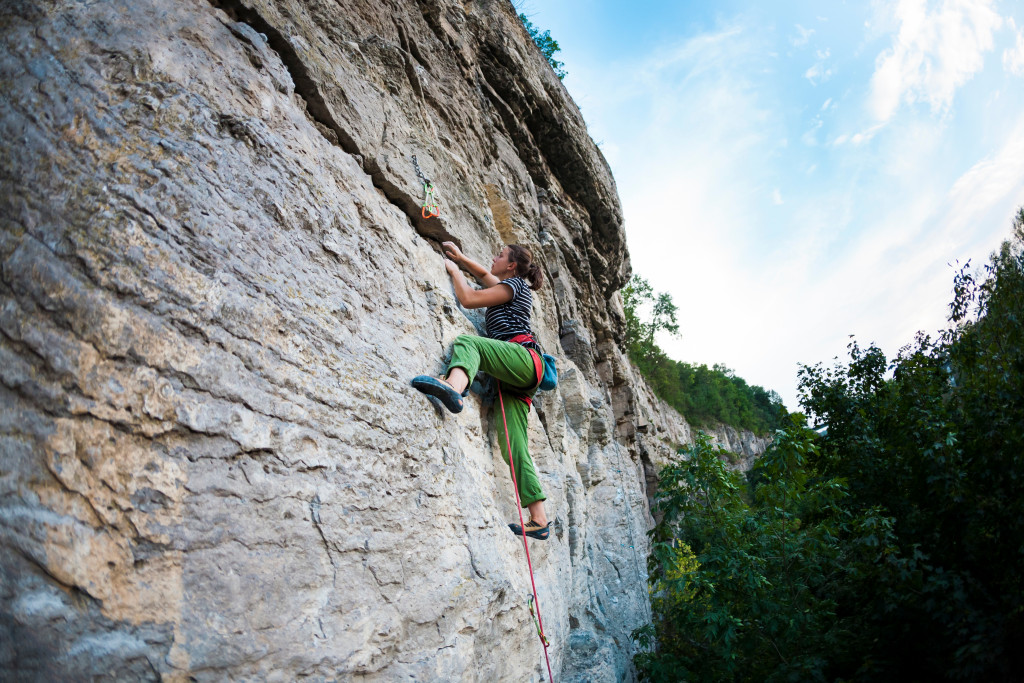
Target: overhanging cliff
216,285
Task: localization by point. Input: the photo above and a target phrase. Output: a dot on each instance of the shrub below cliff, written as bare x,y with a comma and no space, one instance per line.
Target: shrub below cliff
890,547
749,579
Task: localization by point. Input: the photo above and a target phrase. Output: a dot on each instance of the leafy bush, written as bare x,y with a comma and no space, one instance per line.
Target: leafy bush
747,578
890,547
940,446
548,45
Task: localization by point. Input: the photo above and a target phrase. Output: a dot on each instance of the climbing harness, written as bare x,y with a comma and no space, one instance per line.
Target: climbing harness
547,372
430,206
515,488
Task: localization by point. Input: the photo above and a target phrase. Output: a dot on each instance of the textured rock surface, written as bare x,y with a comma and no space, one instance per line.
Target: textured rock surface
216,285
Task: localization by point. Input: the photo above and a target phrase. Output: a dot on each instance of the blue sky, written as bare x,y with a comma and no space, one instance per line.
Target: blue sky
795,174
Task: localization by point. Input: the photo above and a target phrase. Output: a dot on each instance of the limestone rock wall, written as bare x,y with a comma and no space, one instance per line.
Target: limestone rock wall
215,285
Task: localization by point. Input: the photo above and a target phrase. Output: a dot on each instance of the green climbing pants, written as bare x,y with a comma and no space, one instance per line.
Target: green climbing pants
512,366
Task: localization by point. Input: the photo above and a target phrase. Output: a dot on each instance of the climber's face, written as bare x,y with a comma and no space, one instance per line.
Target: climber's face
501,266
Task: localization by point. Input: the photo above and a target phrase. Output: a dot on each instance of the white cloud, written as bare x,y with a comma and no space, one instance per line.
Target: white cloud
989,182
858,245
933,54
694,116
819,73
810,137
857,138
698,55
803,38
1013,59
865,135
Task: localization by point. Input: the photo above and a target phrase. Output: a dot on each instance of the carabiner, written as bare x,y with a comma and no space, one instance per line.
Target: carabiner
430,207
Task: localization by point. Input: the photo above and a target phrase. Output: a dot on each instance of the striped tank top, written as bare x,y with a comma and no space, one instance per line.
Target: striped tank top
511,318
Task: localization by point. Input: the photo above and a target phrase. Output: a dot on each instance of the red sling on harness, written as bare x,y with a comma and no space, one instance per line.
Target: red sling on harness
538,363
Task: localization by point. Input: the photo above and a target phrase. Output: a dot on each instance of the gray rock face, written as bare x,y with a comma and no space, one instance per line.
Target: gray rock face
215,285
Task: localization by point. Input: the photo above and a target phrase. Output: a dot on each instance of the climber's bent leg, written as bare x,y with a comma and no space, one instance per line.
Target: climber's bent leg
508,363
512,365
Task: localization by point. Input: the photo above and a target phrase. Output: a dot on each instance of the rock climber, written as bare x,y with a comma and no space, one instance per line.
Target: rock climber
509,353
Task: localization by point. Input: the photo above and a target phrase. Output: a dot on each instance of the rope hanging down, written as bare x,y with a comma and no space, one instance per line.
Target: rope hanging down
515,487
430,206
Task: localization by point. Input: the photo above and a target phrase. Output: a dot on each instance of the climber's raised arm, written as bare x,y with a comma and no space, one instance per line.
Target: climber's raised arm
483,275
476,298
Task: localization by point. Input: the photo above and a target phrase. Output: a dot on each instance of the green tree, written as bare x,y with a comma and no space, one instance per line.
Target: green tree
935,437
703,395
548,45
747,577
638,295
890,546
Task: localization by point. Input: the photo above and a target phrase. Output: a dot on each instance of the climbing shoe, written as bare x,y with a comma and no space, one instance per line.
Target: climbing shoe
442,391
533,530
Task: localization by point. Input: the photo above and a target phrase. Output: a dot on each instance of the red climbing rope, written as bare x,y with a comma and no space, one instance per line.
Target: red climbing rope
522,527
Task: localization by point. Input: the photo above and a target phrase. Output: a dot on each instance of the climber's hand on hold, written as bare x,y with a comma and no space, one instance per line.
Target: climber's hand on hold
463,262
453,252
451,267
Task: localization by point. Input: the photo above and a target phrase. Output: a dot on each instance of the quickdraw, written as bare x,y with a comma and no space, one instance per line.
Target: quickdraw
430,205
543,638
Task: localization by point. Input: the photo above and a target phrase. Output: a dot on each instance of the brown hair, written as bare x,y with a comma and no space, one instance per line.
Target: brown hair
525,267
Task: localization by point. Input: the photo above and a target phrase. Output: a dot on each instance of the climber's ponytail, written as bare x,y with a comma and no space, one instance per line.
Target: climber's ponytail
525,267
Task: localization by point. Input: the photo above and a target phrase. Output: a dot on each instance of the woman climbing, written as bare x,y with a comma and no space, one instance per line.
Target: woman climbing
509,354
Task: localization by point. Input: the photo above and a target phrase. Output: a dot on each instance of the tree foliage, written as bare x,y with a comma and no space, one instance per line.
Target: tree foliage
750,579
548,45
938,442
890,546
703,395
